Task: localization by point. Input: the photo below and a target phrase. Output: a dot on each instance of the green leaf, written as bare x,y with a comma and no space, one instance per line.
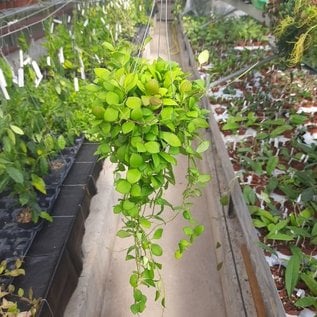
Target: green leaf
310,281
202,147
168,158
292,273
156,249
61,142
203,57
108,46
15,174
169,102
280,130
46,216
134,102
123,234
38,183
20,292
102,73
198,230
188,231
279,236
130,81
134,280
112,98
111,115
152,147
145,223
224,200
128,127
171,139
123,186
271,164
16,129
136,190
133,175
185,86
158,233
136,160
203,178
306,301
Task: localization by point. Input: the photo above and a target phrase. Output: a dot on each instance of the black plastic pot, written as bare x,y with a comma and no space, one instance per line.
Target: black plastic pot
54,261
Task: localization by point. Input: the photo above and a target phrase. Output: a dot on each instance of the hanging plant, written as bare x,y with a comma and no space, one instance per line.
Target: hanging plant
147,115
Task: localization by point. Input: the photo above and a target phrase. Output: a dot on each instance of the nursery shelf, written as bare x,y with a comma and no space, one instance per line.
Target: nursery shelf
54,261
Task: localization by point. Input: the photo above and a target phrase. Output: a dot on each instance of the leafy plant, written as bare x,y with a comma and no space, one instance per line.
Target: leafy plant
10,299
146,116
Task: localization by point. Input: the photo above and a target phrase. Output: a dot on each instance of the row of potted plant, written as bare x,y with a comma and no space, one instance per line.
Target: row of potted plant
268,121
40,137
143,114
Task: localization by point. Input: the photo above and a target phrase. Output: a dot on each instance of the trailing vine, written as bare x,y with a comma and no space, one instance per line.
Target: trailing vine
147,115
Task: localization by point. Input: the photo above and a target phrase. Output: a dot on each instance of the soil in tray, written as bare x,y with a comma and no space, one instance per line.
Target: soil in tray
288,303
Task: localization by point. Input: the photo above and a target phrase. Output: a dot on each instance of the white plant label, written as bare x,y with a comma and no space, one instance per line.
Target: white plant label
57,21
3,81
52,28
69,18
27,60
102,21
82,73
76,85
38,81
21,58
48,60
61,55
97,58
5,92
86,22
21,77
37,70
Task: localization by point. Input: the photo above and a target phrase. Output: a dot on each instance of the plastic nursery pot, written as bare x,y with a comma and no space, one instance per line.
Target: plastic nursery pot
47,201
23,217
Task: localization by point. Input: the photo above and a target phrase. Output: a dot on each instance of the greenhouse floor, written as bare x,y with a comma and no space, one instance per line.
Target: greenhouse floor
202,282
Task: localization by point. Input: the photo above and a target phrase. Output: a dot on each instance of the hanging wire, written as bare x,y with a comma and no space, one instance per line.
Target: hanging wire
159,35
39,21
141,46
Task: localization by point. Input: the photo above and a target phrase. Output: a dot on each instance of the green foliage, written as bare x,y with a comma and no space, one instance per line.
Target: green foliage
10,297
151,116
296,29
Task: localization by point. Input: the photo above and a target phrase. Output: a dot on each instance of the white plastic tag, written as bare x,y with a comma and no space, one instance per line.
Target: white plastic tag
27,60
76,85
48,60
52,28
37,70
82,73
21,58
3,81
21,77
102,21
57,21
69,18
38,81
97,58
61,55
86,23
5,92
